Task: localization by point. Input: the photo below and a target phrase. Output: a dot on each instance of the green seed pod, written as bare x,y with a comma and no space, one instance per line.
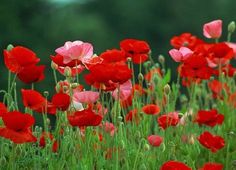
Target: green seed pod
46,93
147,64
146,147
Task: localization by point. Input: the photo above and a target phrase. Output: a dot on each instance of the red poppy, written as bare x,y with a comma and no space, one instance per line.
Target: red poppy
136,49
186,40
151,109
3,109
217,88
32,99
84,118
166,120
61,101
108,75
196,67
212,142
219,54
31,74
174,165
212,166
44,137
155,140
228,70
209,118
18,58
17,127
132,116
114,55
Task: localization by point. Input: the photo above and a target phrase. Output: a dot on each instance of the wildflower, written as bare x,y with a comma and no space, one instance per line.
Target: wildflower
213,29
61,101
174,165
166,120
212,142
151,109
155,140
180,55
17,127
212,166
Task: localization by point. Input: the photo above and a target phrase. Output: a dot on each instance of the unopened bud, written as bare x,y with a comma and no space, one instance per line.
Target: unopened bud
231,27
146,147
140,77
167,89
161,59
74,85
147,64
46,93
54,66
129,59
67,72
9,47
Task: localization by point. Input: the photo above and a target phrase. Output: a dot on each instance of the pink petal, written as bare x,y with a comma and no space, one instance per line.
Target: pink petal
213,29
125,91
233,46
86,96
155,140
186,52
176,55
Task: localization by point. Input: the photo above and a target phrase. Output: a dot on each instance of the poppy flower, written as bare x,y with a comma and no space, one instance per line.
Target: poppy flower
210,118
108,75
217,88
155,140
61,101
17,127
233,46
185,40
212,166
114,55
212,142
196,67
76,50
43,138
31,74
109,128
219,54
85,96
213,29
3,109
123,91
132,115
18,58
151,109
33,99
136,49
180,55
84,118
174,165
166,120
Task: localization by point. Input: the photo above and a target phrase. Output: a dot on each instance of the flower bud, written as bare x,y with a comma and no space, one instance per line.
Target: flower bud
9,47
54,66
147,64
231,27
74,85
167,89
146,147
46,93
161,59
129,59
67,72
140,77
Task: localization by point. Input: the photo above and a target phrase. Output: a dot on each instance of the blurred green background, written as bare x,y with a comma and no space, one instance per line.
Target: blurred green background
44,25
